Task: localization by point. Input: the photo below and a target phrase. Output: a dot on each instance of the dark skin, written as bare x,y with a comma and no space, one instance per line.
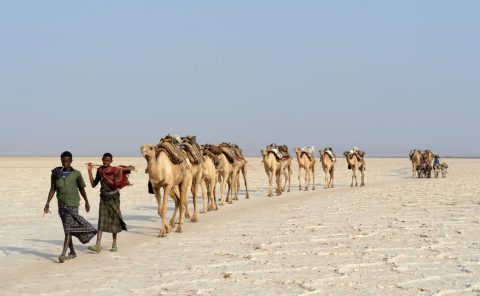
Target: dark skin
66,165
107,161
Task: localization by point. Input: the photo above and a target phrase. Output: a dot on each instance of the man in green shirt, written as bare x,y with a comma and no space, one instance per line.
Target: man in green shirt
68,182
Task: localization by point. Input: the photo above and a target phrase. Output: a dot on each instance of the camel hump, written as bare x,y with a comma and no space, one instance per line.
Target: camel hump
329,152
171,146
274,149
284,150
208,153
215,149
308,151
238,152
189,144
228,152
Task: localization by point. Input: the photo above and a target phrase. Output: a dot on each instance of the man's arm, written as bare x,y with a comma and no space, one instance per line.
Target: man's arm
93,182
47,205
84,195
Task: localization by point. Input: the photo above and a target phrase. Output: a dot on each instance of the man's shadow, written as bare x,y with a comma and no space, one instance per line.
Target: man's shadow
29,251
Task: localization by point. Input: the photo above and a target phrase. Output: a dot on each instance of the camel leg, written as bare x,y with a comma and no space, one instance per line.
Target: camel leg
230,189
332,174
183,196
208,188
307,178
194,194
313,175
176,198
158,197
214,194
279,182
244,174
270,181
204,196
222,190
289,176
326,179
177,205
184,202
299,178
353,175
161,209
363,176
235,184
165,229
356,182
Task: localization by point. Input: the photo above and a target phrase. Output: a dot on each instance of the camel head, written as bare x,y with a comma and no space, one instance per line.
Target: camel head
148,151
297,150
346,153
264,151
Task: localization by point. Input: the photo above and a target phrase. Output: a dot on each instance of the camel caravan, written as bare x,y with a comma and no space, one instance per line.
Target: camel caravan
179,165
424,162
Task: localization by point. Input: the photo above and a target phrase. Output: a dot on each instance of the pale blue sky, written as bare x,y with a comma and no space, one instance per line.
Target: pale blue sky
97,76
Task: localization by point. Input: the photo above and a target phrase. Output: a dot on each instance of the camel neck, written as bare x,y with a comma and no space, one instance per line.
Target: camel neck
152,167
298,153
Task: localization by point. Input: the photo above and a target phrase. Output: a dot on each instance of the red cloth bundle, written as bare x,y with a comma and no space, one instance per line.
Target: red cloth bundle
115,177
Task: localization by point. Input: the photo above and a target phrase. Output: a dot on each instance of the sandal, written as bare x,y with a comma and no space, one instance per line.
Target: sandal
114,248
71,256
61,258
95,248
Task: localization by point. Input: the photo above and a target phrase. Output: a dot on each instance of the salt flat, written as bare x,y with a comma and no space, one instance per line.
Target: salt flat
398,235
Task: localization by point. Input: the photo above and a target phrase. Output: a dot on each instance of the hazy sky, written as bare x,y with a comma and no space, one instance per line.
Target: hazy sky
97,76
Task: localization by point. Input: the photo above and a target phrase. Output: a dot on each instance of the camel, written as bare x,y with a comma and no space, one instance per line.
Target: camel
424,168
328,164
273,167
196,168
172,178
209,181
416,158
428,157
355,163
305,163
287,166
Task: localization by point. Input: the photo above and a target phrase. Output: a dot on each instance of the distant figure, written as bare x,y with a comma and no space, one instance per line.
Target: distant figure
439,167
110,219
67,183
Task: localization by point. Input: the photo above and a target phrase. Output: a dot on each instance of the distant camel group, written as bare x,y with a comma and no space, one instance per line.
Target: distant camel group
424,162
277,163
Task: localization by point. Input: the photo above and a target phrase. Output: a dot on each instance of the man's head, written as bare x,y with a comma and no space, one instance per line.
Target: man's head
66,159
107,159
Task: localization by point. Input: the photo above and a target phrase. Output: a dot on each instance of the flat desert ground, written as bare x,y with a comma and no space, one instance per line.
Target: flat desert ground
398,235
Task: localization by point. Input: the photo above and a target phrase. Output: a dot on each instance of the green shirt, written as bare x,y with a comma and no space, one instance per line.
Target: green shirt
67,188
